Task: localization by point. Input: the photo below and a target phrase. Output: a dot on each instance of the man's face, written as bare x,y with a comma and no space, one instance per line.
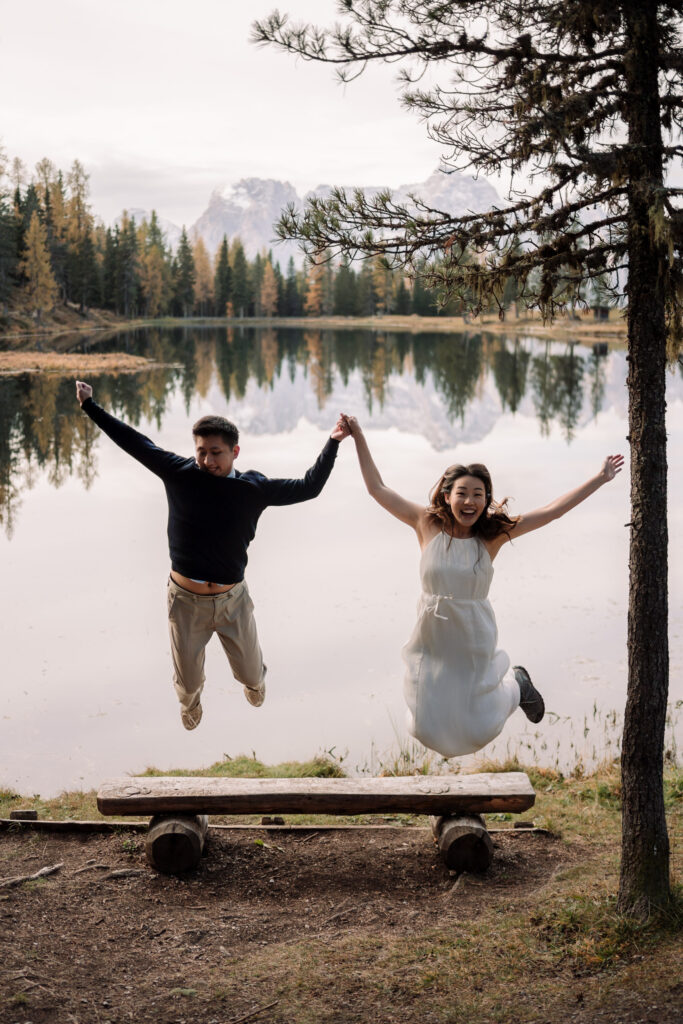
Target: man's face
214,455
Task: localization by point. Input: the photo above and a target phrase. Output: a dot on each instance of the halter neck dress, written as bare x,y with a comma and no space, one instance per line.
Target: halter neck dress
459,688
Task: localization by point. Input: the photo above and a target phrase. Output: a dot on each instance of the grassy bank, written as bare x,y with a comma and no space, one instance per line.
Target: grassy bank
579,804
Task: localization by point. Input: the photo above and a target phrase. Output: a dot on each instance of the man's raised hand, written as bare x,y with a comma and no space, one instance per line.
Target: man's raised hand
83,391
341,429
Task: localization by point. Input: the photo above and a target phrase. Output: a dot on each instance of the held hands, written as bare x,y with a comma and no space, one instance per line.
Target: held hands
83,391
612,465
346,426
340,430
351,425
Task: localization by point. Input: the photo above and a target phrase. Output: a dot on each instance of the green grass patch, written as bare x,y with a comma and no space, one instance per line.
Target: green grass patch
540,778
243,767
590,932
673,787
76,805
82,806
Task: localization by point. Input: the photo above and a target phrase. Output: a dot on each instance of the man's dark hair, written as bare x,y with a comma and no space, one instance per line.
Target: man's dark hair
208,425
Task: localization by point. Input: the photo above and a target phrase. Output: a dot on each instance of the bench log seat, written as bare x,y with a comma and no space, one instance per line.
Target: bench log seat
180,805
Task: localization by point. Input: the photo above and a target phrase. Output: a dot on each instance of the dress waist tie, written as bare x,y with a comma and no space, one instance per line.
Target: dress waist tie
432,603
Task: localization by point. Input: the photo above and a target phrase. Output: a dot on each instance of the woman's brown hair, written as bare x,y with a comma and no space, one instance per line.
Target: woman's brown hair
491,523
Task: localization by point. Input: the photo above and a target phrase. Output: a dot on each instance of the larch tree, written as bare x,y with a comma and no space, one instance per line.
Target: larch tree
313,303
41,286
268,290
18,172
81,265
152,273
203,289
579,102
55,200
155,266
381,278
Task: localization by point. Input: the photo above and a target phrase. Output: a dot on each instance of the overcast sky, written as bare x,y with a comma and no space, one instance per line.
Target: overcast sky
163,101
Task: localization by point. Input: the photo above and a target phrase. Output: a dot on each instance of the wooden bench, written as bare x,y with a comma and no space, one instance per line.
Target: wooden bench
180,807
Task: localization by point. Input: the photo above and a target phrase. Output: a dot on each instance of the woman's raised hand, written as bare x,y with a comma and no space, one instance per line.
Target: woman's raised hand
612,465
352,424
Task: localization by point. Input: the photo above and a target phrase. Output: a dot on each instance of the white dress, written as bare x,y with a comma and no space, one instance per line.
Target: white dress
459,689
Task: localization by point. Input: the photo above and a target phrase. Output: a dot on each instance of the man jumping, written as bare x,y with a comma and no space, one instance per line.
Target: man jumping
213,510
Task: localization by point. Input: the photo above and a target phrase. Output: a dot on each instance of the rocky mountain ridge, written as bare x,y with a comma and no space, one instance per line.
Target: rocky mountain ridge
250,207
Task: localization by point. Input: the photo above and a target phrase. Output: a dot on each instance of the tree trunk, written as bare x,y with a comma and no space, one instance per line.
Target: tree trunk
644,882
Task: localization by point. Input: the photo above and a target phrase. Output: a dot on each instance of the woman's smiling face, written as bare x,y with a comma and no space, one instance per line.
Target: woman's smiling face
467,500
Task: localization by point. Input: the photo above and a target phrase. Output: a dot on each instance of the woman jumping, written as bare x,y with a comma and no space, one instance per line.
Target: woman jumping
459,688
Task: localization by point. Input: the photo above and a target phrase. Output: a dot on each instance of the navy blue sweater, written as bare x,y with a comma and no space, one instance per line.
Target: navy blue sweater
211,520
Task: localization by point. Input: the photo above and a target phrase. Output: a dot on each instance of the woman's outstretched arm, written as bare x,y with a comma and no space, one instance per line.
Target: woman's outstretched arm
408,512
612,465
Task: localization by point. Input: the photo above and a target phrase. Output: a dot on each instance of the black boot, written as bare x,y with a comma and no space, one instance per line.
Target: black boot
530,700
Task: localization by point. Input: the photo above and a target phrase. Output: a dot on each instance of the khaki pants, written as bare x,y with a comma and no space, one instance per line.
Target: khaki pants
193,619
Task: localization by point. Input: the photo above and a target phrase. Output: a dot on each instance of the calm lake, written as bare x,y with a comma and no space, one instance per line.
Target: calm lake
86,663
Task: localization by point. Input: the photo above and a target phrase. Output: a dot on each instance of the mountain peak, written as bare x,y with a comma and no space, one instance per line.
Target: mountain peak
246,191
250,207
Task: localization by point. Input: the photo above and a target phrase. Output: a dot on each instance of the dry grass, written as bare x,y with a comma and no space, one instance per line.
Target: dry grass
73,363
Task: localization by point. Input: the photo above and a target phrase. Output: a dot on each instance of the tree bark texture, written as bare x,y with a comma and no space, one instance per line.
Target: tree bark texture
644,882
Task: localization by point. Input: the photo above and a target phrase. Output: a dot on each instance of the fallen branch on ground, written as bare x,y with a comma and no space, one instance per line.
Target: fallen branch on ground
18,879
253,1013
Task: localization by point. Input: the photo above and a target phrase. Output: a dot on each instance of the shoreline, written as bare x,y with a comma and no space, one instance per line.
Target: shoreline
584,329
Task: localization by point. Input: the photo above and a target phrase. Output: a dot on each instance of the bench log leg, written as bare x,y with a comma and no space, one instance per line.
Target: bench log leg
464,843
174,843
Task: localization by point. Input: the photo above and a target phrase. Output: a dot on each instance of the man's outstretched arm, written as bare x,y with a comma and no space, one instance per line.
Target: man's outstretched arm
288,492
132,441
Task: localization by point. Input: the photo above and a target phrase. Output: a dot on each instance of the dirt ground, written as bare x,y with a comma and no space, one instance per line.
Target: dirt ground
284,926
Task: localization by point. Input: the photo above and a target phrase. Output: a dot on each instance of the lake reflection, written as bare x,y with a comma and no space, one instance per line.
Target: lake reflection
86,661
